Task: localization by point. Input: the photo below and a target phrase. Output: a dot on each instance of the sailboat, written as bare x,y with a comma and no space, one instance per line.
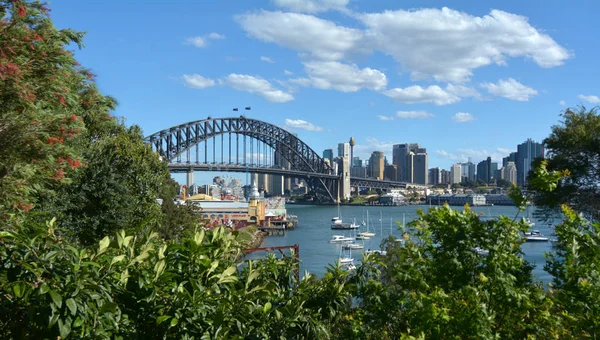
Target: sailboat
366,233
346,258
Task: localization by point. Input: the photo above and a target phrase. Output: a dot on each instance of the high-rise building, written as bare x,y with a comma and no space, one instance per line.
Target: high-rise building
509,172
344,150
512,157
468,171
390,173
409,167
328,154
445,176
526,153
376,164
485,171
356,161
401,156
435,176
455,173
420,169
358,172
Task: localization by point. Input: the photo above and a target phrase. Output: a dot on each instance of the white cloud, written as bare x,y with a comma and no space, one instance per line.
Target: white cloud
416,94
562,103
202,41
288,73
364,150
441,43
591,99
304,33
476,155
510,89
341,77
463,91
385,117
449,45
267,60
462,117
302,124
311,6
414,114
257,85
197,81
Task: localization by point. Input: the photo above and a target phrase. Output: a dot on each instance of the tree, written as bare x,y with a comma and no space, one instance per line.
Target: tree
503,183
573,146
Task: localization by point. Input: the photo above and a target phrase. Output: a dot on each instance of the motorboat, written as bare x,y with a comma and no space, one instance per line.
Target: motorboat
535,236
376,251
360,236
339,225
351,245
340,239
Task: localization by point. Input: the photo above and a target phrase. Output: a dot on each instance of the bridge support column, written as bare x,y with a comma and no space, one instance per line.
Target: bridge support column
344,185
189,178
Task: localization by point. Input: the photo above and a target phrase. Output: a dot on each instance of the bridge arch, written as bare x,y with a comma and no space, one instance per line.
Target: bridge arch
173,142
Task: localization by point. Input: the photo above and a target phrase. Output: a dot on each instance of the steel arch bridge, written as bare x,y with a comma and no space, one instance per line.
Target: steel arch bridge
277,151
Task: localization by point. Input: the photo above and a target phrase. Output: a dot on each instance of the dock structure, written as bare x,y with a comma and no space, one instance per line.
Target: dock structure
273,230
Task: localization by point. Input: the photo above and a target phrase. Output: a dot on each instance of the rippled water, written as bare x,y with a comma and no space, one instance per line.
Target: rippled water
313,233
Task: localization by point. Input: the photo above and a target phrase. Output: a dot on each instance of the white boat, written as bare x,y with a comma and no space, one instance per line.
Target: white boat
346,258
376,251
351,245
350,266
359,236
340,239
481,251
535,236
366,233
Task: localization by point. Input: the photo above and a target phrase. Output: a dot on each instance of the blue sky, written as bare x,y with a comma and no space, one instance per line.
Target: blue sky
462,78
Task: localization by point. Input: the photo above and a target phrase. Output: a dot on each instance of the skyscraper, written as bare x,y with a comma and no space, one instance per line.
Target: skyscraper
400,157
526,153
485,171
390,173
420,169
328,153
509,172
435,176
455,173
344,150
356,161
376,164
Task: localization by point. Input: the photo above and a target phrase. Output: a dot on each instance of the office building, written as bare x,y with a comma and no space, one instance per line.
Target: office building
435,176
445,176
526,153
485,170
420,169
401,157
328,154
512,157
356,161
390,173
358,172
509,172
455,173
344,150
468,171
376,168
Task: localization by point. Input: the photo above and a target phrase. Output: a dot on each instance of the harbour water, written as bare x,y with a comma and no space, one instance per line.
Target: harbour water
314,232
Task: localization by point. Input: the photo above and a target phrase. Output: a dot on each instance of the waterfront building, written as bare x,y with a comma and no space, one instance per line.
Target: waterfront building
390,172
526,153
344,150
512,157
468,171
455,173
400,152
484,169
509,172
456,199
376,168
435,176
328,154
498,199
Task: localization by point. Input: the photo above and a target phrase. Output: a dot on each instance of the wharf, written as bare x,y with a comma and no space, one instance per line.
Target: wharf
273,230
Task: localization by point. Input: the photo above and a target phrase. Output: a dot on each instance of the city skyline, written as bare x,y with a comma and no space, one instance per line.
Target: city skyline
352,72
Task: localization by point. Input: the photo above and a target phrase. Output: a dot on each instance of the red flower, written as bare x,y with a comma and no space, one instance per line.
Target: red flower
59,174
22,11
73,117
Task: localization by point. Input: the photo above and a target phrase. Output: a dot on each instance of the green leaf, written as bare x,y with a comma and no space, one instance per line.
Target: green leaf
19,289
108,307
104,243
267,307
162,319
117,259
44,288
77,323
159,268
56,298
174,322
64,328
53,320
72,306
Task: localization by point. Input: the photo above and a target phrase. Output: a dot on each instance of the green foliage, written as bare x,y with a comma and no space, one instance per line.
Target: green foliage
573,150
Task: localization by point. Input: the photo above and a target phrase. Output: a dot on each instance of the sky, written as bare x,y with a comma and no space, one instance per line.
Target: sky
461,78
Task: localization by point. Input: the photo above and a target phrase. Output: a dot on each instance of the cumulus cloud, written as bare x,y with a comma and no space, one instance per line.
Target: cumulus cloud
591,99
562,103
414,114
302,124
202,41
380,117
441,43
288,73
364,149
311,6
320,38
417,94
341,77
476,155
257,85
462,117
510,89
197,81
267,60
463,91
